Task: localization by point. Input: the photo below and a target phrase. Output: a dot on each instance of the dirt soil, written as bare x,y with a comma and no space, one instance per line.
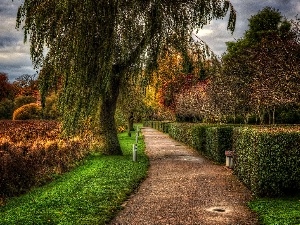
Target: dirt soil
183,187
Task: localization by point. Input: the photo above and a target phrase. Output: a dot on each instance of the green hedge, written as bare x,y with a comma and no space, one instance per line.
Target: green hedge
218,140
267,160
210,140
181,132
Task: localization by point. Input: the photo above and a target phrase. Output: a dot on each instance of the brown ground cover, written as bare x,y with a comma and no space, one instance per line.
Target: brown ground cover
32,151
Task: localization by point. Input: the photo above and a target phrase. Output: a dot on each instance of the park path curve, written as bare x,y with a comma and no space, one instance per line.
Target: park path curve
182,187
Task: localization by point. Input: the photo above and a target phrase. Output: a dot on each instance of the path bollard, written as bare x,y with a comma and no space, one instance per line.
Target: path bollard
134,152
137,135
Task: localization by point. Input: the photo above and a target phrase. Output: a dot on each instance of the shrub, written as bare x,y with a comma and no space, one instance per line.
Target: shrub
209,139
6,109
32,151
199,137
267,159
27,112
23,100
50,111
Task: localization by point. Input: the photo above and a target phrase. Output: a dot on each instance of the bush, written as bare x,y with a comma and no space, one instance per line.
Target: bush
50,111
27,112
199,137
209,139
23,100
31,152
267,159
6,109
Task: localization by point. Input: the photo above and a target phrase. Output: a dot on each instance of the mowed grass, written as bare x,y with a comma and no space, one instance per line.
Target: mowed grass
277,211
92,193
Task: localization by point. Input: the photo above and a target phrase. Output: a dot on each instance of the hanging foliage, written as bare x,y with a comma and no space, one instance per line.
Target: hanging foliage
91,45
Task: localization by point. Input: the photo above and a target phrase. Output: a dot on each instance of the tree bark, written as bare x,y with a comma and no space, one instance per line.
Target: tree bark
130,121
107,126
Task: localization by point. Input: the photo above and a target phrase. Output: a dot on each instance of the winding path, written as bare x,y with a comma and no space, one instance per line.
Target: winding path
183,187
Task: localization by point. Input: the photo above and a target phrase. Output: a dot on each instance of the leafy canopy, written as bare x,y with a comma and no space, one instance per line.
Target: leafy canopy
93,46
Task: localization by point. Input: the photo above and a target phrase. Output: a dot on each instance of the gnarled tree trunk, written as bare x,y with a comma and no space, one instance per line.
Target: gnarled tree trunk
107,126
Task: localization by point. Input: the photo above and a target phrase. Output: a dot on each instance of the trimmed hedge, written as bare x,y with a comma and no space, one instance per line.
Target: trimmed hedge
218,140
210,140
181,132
267,160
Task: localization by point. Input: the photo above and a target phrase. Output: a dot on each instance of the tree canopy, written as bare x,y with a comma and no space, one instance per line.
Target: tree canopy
93,46
261,70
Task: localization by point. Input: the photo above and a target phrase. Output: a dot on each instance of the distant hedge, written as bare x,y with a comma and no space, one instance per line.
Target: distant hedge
267,160
211,140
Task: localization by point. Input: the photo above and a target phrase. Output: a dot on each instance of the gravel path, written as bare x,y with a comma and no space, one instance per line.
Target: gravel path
182,187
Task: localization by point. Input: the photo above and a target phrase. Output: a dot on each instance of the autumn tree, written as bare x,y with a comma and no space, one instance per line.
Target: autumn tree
6,89
261,70
26,84
7,94
93,44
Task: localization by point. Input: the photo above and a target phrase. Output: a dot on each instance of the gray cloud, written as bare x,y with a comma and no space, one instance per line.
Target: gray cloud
7,41
14,54
245,9
9,7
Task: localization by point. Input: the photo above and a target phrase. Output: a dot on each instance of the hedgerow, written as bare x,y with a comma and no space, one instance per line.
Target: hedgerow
267,160
210,140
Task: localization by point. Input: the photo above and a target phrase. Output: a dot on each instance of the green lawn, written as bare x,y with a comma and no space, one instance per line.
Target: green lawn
277,211
92,193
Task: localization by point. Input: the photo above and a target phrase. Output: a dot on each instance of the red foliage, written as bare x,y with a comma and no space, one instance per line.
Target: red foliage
170,88
6,89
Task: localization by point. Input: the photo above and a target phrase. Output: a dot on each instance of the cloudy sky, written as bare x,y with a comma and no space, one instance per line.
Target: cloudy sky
14,54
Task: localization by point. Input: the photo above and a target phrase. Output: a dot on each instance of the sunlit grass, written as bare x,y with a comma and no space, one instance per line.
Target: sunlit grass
92,193
278,211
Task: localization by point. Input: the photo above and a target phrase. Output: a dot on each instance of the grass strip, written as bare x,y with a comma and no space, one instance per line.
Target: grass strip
277,211
92,193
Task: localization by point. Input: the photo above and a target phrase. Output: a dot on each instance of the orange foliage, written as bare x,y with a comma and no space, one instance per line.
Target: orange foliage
31,151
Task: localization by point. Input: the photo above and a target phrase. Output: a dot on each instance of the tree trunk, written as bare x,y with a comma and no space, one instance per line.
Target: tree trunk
107,126
130,121
273,116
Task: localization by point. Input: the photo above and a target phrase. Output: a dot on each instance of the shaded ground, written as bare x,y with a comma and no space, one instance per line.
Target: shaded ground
182,187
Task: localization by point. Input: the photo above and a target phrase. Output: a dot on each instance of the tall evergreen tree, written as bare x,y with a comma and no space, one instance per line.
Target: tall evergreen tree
93,45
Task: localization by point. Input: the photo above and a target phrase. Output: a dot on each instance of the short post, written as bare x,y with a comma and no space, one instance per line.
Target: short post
229,159
134,152
137,135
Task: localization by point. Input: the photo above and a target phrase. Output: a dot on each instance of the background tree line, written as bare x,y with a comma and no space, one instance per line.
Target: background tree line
256,81
23,95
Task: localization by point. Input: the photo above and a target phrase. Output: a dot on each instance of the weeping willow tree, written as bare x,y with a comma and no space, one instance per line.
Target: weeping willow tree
90,48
